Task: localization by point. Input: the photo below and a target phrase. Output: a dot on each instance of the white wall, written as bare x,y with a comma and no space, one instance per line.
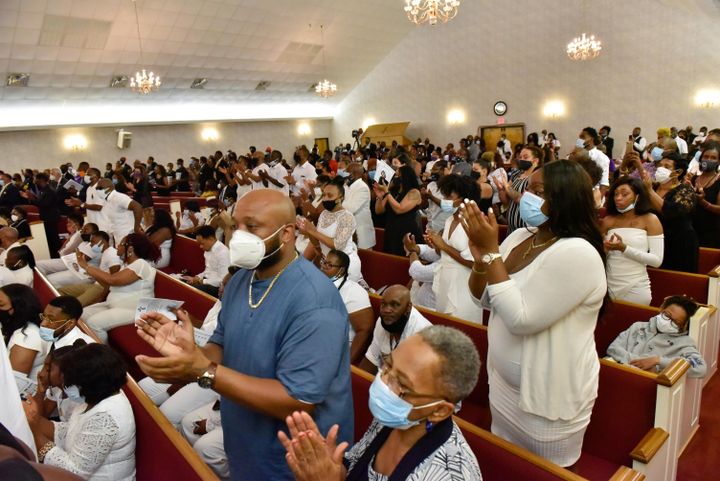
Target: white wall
44,148
656,54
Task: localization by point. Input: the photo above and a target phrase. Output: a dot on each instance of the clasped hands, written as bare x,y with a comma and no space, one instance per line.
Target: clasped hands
614,243
310,456
183,360
646,363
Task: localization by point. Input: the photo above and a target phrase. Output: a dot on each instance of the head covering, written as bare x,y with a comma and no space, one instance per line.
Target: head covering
663,132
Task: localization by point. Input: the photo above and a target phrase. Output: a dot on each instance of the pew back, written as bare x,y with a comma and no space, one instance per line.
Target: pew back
380,269
664,283
708,260
185,254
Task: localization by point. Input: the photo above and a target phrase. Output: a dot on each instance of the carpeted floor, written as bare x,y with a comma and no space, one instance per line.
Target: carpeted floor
701,459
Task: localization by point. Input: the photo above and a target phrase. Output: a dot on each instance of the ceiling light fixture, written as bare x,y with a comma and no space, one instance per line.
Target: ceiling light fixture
431,11
143,82
584,47
708,98
324,88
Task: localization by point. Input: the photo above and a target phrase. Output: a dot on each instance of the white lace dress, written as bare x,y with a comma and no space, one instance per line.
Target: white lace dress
98,445
340,226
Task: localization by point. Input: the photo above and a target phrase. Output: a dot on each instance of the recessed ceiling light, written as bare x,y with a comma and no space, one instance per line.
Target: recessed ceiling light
263,85
198,83
18,79
118,81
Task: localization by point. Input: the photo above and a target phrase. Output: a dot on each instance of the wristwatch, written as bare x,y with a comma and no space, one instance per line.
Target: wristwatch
207,379
488,259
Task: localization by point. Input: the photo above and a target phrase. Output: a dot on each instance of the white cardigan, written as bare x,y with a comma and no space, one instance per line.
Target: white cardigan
552,306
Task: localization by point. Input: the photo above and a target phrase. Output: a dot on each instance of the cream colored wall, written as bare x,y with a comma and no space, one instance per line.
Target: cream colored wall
44,148
656,54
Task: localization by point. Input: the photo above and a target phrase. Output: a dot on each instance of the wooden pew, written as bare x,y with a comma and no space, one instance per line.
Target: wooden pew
379,239
161,453
37,242
125,338
185,254
708,260
380,269
657,402
497,458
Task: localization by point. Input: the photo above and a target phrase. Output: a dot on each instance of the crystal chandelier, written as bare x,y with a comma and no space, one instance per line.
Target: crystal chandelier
584,48
430,11
143,83
324,88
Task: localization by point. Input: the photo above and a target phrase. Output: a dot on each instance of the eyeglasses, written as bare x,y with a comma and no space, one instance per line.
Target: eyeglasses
48,320
325,263
394,383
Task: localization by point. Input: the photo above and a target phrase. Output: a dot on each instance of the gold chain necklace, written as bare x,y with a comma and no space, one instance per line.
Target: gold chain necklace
533,246
269,288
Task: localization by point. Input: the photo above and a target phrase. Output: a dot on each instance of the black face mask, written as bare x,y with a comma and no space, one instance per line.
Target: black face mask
85,237
434,177
524,164
475,175
396,327
709,165
329,205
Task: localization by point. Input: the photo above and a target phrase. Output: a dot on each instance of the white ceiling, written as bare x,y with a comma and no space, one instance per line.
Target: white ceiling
72,48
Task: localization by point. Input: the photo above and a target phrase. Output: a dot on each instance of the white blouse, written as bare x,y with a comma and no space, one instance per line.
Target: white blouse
143,287
29,338
98,444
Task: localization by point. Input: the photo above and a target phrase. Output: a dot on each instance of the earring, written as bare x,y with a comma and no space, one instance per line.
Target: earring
429,426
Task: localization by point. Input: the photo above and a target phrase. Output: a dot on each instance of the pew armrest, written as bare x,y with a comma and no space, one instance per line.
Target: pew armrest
626,474
715,272
649,445
673,372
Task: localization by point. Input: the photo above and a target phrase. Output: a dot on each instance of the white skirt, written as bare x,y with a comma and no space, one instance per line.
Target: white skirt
558,441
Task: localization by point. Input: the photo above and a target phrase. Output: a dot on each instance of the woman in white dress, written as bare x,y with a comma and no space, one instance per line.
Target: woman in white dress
357,302
135,280
335,229
450,282
633,240
98,441
20,319
544,287
161,233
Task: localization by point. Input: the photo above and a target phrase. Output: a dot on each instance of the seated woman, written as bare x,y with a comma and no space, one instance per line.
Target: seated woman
98,441
633,240
653,344
20,318
161,233
413,435
19,265
19,221
335,229
190,219
136,279
50,396
335,265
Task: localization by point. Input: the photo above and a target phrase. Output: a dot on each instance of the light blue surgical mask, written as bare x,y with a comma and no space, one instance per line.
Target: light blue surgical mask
73,394
448,206
371,175
531,210
96,249
47,334
580,143
342,173
390,409
657,154
2,183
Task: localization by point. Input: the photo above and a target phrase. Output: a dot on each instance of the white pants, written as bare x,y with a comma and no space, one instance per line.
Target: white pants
103,316
209,446
188,398
156,391
66,278
50,266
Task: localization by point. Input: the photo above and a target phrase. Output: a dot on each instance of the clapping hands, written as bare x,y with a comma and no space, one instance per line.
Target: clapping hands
482,230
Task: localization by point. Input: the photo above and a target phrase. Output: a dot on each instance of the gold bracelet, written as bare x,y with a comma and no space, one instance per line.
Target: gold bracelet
477,271
44,450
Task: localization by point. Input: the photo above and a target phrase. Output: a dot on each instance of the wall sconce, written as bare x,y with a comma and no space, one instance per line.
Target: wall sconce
210,134
75,142
304,129
554,109
368,122
455,117
707,98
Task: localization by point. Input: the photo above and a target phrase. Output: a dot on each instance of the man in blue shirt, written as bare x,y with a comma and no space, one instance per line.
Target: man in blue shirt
280,344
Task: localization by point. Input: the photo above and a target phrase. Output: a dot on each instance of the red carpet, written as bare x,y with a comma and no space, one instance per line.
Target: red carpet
701,459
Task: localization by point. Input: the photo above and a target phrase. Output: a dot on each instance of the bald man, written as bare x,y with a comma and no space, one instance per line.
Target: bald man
398,320
121,214
8,240
280,344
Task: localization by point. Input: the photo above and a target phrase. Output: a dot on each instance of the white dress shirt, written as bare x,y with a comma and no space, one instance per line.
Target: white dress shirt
357,201
97,217
120,218
301,173
603,161
682,146
279,173
383,342
217,261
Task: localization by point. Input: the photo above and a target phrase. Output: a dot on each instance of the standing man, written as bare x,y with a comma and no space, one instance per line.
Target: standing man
44,197
681,144
280,344
357,201
303,171
639,142
9,192
122,213
94,200
607,141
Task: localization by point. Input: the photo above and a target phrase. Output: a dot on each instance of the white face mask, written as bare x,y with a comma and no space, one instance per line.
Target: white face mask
628,208
15,217
662,175
87,179
248,250
665,325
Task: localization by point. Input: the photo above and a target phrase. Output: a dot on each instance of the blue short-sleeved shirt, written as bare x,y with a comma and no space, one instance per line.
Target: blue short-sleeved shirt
298,335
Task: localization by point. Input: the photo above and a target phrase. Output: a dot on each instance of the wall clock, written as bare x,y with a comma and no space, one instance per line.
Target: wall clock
500,108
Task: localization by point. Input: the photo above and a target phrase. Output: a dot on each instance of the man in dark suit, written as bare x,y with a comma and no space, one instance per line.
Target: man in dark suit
607,141
45,198
9,193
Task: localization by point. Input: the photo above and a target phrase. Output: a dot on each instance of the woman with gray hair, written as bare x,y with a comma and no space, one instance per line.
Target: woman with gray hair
413,435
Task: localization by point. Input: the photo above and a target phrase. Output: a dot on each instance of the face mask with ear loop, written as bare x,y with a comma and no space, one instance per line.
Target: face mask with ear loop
247,250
